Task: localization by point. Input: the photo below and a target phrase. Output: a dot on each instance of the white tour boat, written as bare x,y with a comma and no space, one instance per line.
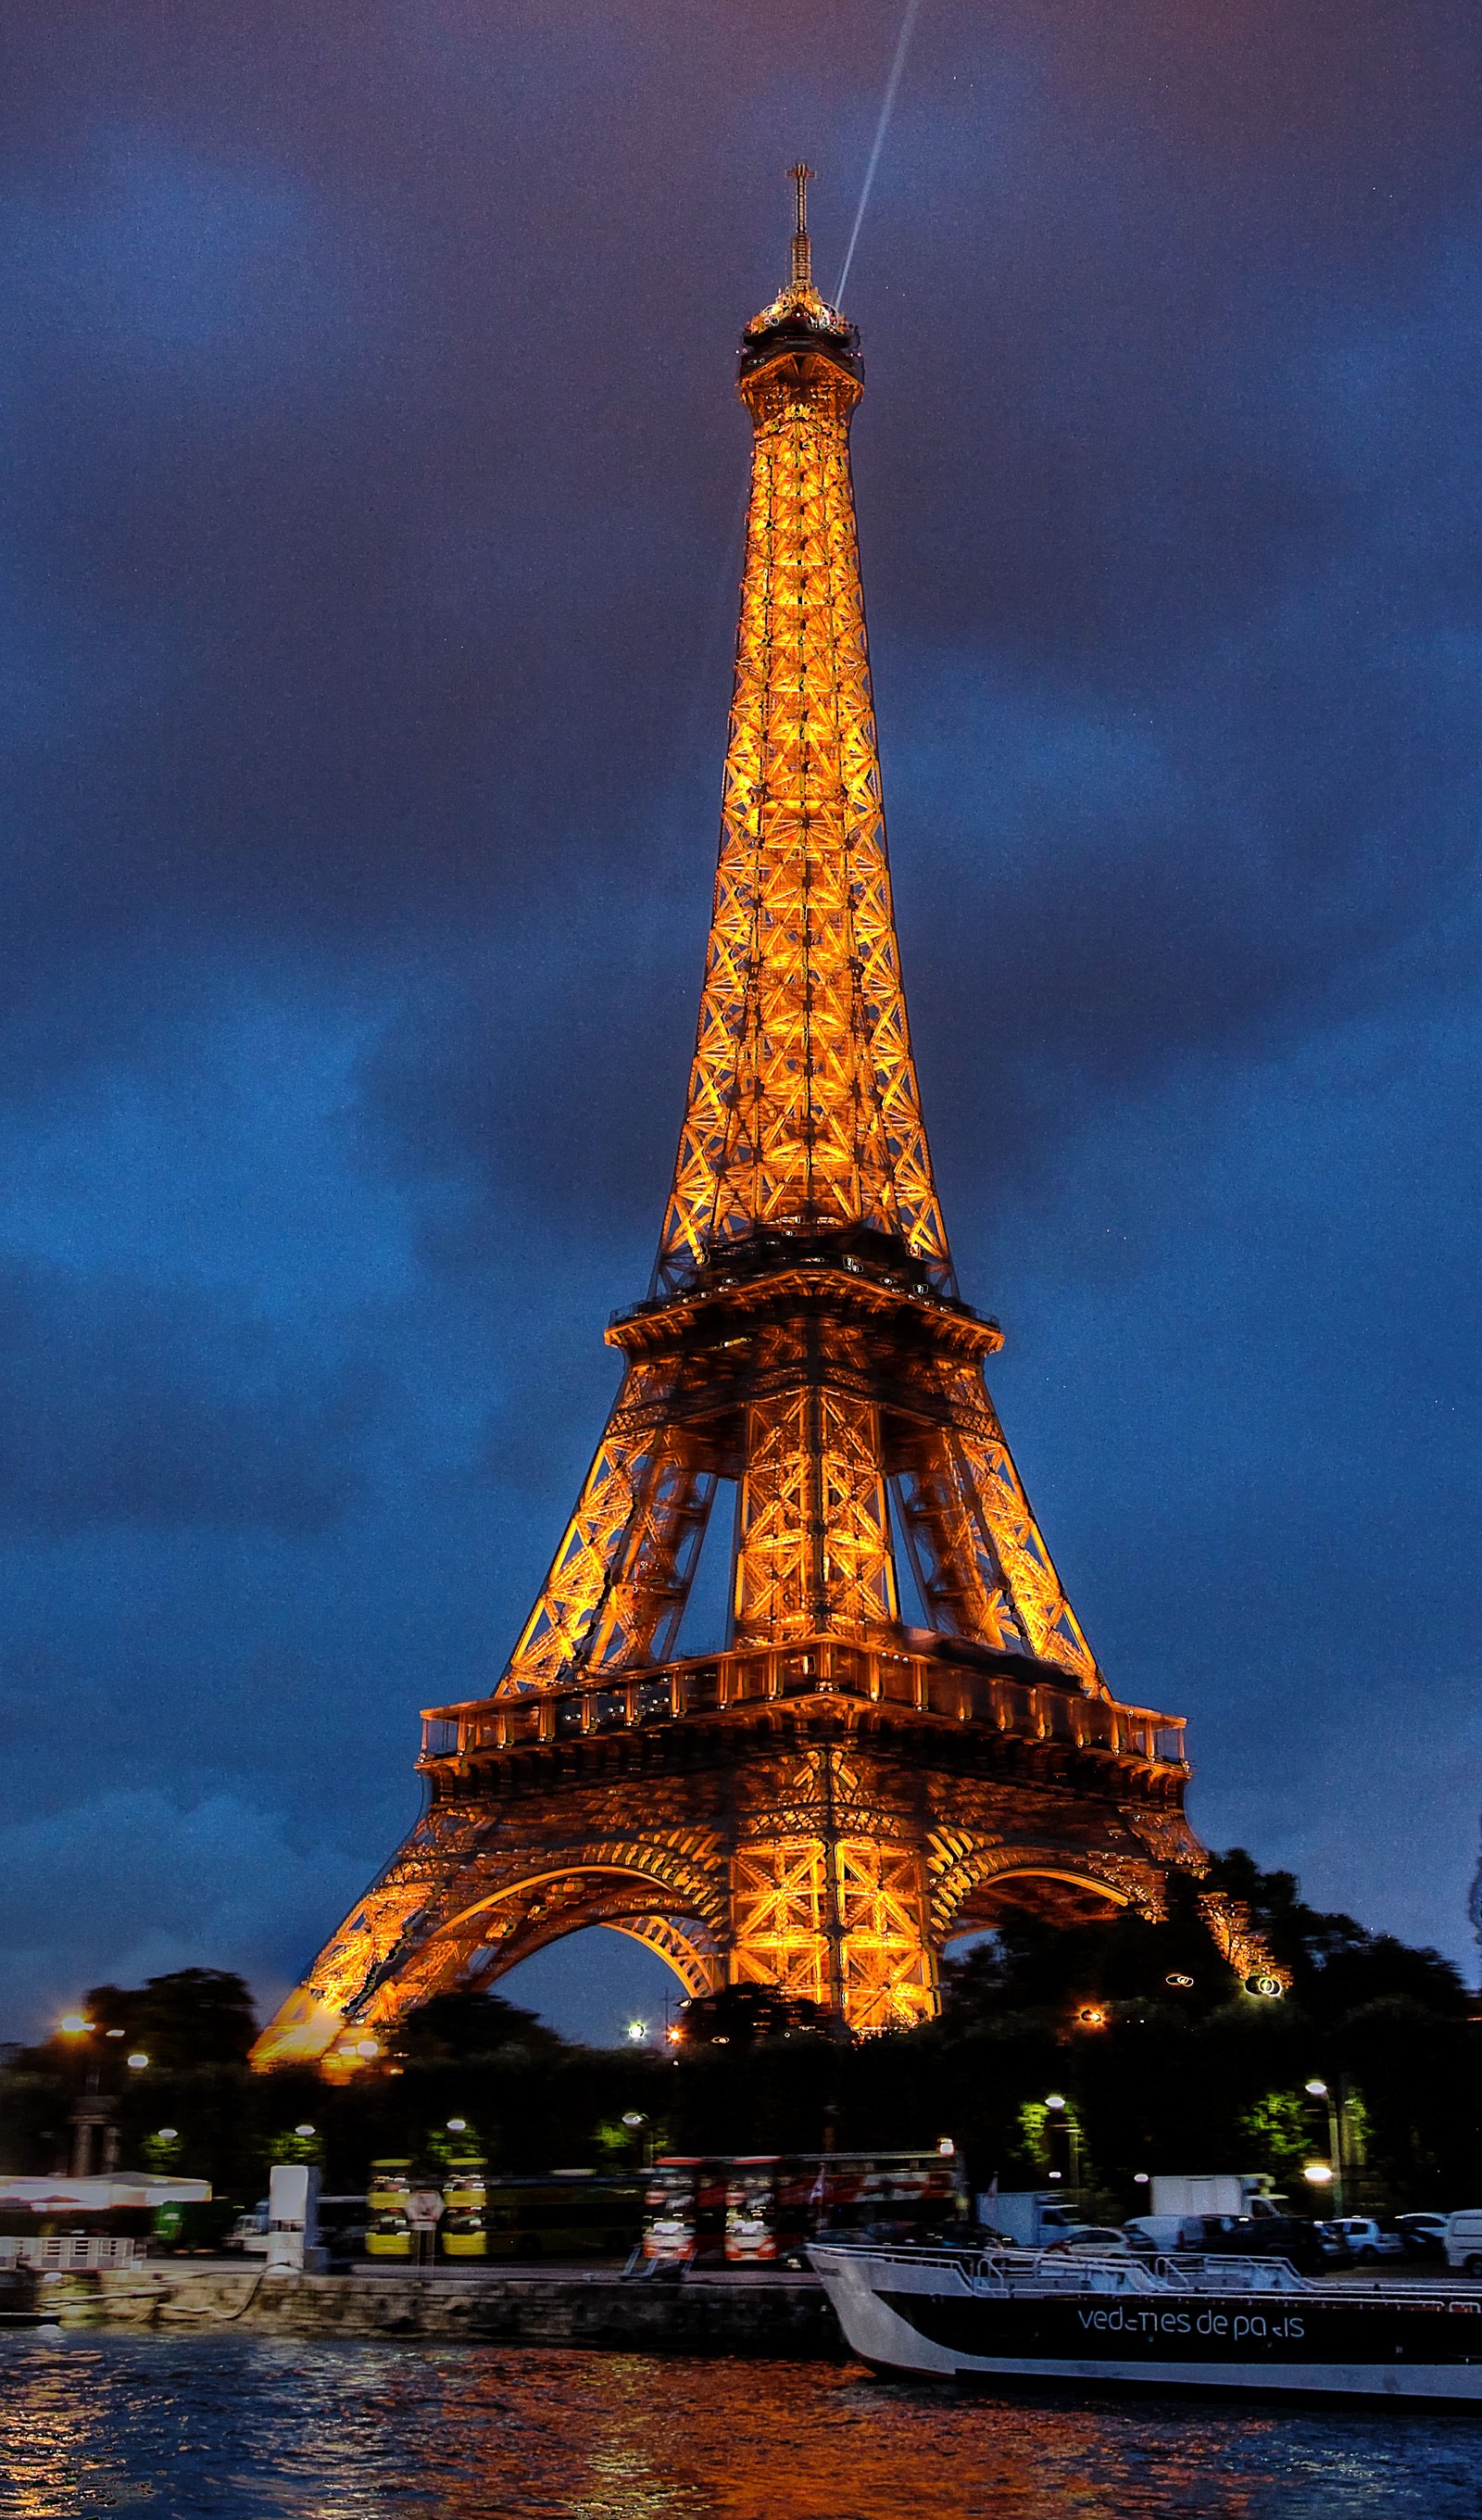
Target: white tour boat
1067,2315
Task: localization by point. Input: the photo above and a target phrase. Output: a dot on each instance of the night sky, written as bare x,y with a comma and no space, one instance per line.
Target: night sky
371,496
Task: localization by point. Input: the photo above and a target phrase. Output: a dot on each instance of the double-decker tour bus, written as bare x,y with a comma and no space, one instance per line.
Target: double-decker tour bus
762,2209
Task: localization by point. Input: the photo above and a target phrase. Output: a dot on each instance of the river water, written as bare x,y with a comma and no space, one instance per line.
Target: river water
184,2428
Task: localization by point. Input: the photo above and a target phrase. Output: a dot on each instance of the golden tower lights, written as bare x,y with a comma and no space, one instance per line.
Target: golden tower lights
803,1340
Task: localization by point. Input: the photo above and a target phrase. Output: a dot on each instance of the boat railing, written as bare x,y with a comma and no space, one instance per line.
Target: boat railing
1061,2270
1187,2271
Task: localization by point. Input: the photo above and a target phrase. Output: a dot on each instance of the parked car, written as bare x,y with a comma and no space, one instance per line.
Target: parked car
1367,2240
1423,2236
1097,2237
1464,2240
1307,2245
1333,2239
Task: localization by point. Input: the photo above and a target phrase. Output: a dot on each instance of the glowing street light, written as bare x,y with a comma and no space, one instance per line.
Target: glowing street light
1321,2092
74,2025
304,2130
1055,2099
136,2060
167,2134
458,2126
638,2030
1319,2173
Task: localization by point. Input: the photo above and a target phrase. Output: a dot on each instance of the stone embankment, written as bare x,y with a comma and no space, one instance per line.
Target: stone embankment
784,2315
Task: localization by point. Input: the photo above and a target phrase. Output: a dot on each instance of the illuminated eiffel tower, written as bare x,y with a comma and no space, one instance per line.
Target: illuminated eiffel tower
825,1801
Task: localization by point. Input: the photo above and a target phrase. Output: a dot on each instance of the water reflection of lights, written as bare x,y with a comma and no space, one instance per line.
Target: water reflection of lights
295,2430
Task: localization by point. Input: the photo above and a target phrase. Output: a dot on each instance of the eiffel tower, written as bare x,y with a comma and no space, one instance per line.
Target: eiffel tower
827,1800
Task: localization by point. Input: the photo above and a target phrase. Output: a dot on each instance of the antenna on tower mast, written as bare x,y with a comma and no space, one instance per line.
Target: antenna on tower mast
802,243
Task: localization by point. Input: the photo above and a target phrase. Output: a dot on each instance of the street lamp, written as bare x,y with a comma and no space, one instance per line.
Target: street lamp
1319,2092
1062,2120
1319,2173
74,2025
638,2030
136,2060
458,2126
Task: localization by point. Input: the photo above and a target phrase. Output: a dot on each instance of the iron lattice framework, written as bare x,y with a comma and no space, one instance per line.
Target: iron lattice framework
823,1802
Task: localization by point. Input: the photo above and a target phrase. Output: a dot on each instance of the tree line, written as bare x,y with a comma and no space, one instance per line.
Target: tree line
1155,2055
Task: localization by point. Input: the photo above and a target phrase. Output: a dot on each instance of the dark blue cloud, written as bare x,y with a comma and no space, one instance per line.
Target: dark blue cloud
126,1404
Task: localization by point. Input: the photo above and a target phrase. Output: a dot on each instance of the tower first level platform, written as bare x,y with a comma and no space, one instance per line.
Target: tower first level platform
820,1816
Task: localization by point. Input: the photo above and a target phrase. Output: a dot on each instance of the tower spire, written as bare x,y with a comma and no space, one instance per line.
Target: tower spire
802,243
803,1117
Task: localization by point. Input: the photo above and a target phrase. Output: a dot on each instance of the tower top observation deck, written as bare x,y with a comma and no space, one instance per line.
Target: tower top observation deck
798,319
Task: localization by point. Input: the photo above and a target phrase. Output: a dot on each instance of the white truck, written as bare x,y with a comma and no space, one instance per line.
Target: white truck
1213,2191
1181,2203
1464,2241
1028,2217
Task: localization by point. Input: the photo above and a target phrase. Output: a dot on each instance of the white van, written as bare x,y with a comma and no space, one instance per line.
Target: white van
1464,2241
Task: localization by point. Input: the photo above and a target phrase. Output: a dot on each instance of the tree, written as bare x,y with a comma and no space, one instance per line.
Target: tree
191,2016
1030,1964
453,2028
738,2015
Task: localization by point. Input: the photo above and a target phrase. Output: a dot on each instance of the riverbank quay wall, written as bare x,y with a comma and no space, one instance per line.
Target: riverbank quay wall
779,2316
